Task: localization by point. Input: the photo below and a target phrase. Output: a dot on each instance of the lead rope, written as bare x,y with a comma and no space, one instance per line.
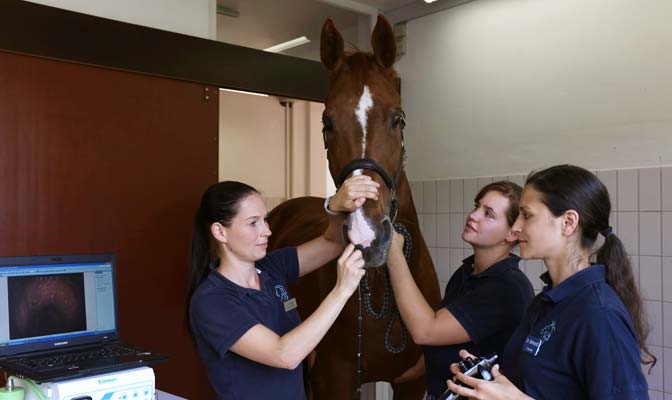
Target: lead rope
408,243
359,343
364,284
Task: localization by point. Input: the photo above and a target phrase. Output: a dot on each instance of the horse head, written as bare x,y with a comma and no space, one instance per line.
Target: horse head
363,131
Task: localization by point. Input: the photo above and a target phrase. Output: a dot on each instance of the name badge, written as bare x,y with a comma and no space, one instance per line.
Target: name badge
290,304
532,345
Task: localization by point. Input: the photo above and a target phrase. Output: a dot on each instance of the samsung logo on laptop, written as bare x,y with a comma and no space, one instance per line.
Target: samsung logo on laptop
60,343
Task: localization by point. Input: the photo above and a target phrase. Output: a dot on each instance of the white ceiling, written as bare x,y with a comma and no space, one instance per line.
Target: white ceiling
264,23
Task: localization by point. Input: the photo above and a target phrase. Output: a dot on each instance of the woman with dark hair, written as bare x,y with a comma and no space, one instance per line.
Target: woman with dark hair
243,318
484,300
584,336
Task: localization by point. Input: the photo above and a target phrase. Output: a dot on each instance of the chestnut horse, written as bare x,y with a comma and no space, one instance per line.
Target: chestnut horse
363,133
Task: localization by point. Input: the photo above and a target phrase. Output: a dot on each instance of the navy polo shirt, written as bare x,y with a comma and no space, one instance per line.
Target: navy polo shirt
222,312
576,341
489,306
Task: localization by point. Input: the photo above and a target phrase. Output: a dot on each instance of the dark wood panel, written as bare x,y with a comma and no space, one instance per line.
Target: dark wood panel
44,31
96,160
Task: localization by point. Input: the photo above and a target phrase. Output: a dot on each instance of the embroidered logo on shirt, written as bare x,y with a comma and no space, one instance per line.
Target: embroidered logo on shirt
283,295
547,331
281,292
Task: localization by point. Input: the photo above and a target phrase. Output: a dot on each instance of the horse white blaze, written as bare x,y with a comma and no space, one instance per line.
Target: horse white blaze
362,111
360,232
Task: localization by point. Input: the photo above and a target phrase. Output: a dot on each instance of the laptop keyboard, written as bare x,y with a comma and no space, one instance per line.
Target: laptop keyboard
73,358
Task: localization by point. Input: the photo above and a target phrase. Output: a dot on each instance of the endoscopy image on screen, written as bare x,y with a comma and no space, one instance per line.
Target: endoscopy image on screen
42,305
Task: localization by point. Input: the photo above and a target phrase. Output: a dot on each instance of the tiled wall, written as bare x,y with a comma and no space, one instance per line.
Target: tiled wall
641,217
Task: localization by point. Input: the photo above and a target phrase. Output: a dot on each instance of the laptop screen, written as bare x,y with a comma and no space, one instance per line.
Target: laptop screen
49,302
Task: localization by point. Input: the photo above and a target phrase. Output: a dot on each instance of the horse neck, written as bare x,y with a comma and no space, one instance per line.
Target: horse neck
407,211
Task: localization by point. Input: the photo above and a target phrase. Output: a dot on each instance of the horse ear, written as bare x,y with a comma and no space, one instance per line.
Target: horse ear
331,44
383,43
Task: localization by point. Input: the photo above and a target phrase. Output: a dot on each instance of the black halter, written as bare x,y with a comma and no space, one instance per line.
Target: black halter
367,163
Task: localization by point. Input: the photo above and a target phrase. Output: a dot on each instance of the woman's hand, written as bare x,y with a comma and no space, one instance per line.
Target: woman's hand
350,196
499,388
397,246
350,270
353,193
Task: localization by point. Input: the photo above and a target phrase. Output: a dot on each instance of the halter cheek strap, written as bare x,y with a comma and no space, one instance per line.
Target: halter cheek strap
367,163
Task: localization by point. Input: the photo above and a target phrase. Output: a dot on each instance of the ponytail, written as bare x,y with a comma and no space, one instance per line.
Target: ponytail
201,255
620,276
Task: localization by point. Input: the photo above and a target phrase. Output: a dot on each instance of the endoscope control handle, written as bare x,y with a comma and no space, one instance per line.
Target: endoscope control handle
472,367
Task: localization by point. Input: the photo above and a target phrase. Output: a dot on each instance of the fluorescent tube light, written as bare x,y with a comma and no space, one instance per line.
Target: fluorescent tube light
244,92
288,44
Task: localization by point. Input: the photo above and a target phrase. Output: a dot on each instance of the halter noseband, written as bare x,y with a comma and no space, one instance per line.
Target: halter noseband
367,163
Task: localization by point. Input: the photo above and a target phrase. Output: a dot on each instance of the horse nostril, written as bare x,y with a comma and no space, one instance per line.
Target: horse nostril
387,231
346,239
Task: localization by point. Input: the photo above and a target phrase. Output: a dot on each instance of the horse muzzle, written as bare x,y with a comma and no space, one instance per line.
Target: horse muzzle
372,239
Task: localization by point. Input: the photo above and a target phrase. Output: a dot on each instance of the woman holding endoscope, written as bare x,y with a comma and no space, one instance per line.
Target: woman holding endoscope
584,336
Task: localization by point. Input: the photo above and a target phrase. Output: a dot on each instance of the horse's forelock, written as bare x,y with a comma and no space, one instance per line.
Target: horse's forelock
361,64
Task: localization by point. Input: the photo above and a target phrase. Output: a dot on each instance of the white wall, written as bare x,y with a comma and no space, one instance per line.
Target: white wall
496,88
190,17
309,156
252,146
499,87
252,141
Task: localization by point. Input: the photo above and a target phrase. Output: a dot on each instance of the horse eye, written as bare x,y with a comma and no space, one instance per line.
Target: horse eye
398,121
326,124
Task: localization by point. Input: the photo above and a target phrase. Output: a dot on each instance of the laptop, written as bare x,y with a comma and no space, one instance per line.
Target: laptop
58,318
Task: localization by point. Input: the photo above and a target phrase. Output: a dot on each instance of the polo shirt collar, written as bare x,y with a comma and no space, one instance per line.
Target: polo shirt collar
569,287
495,269
220,281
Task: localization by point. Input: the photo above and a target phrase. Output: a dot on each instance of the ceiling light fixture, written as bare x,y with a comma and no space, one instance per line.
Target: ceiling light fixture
288,45
243,92
429,1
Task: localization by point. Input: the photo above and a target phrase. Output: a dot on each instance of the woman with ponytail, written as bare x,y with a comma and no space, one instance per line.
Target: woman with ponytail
241,314
584,336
